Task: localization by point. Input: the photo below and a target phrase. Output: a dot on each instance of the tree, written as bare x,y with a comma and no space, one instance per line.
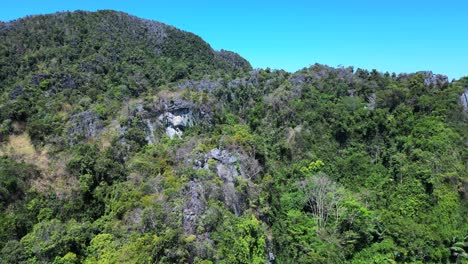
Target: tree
323,197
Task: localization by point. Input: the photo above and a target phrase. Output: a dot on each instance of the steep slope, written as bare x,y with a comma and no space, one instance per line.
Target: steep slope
98,43
71,56
124,140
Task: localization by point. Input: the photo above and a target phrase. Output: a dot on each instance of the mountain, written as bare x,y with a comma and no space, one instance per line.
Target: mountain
125,140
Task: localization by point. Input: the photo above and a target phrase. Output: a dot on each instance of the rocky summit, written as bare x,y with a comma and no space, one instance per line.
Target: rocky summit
125,140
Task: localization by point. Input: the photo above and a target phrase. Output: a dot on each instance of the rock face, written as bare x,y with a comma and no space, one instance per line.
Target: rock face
176,121
177,114
203,85
170,115
298,80
150,138
464,100
231,168
251,80
55,82
430,79
85,124
194,207
434,79
372,101
228,172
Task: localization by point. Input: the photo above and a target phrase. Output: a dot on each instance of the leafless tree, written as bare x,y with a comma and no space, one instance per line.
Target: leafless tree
323,197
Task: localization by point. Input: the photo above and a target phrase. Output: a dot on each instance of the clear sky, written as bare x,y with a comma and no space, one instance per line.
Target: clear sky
395,36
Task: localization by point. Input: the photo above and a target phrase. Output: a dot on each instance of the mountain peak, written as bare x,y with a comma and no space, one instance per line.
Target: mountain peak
117,37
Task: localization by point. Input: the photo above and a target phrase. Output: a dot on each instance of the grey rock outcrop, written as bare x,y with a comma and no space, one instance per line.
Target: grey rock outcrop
173,115
223,165
203,85
85,124
372,99
228,172
434,79
298,80
252,80
320,72
16,92
169,114
231,168
194,207
177,116
430,79
464,100
176,121
55,81
148,124
150,138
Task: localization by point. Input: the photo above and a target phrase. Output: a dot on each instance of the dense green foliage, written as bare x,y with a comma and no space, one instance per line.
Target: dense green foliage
321,166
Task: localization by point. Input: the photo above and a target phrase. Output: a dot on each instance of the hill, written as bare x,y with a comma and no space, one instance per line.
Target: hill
124,140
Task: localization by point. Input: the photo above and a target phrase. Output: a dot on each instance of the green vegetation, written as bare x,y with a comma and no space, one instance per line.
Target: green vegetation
150,147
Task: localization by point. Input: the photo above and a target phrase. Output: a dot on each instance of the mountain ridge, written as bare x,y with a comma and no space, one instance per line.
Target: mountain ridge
124,14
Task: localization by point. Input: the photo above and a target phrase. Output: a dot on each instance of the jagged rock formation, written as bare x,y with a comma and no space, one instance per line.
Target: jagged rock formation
194,207
434,79
224,172
177,116
174,115
464,100
84,125
202,85
231,168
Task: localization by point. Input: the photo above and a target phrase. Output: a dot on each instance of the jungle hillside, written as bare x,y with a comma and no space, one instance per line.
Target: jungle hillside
125,140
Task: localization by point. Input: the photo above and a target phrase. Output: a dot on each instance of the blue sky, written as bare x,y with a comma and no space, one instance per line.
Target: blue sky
395,36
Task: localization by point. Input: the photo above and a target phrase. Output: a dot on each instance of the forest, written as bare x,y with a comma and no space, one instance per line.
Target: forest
125,140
